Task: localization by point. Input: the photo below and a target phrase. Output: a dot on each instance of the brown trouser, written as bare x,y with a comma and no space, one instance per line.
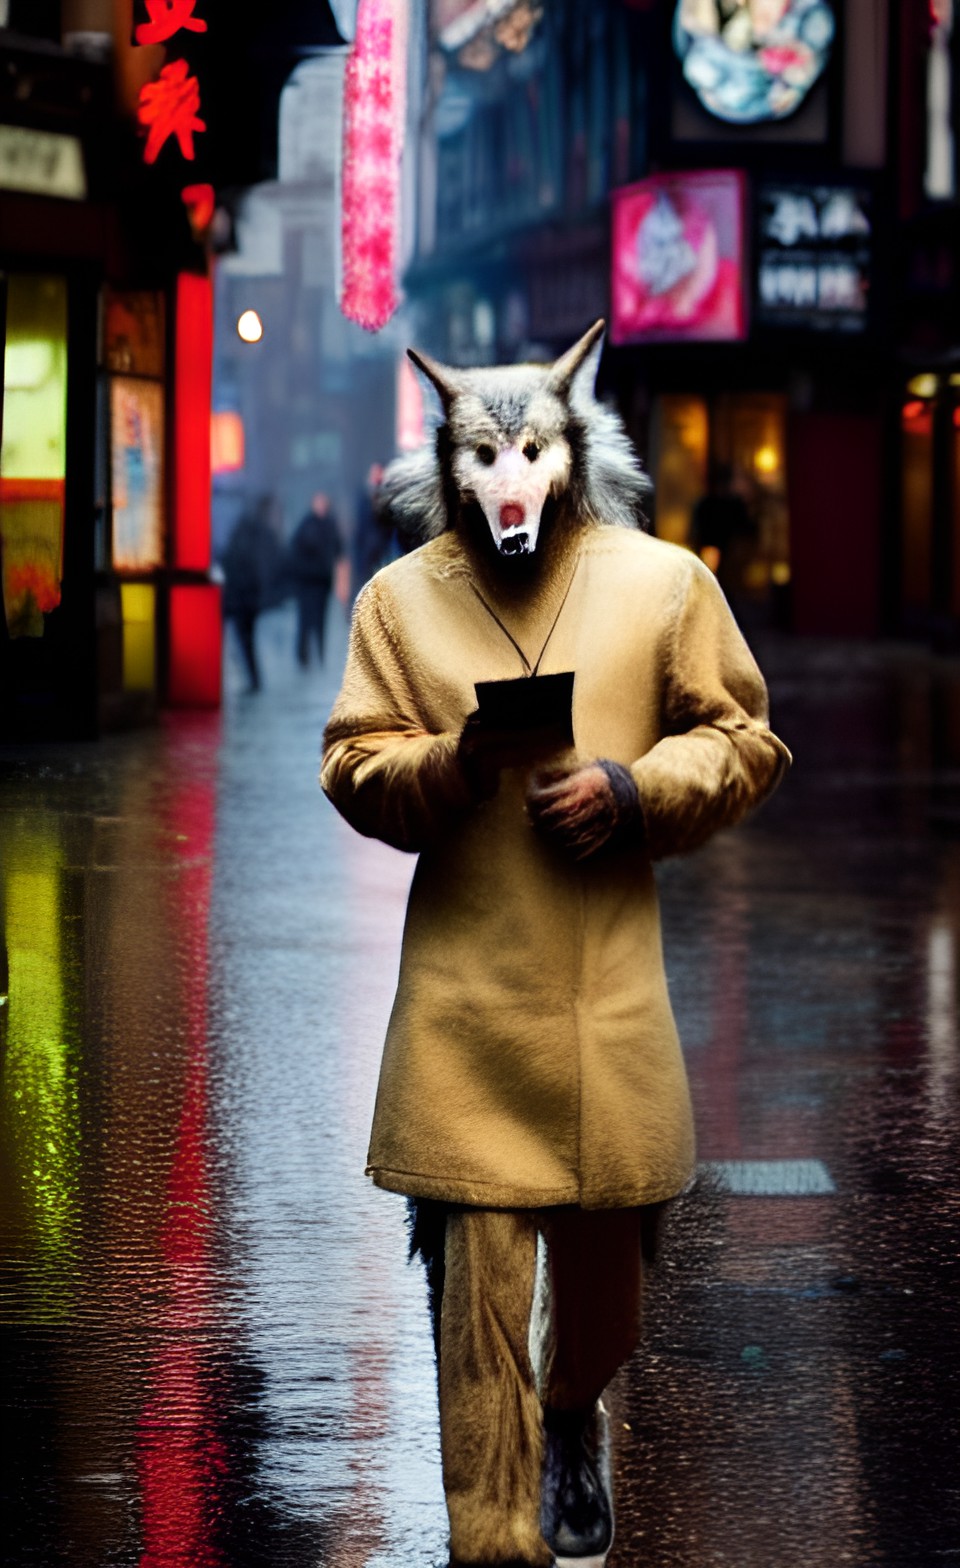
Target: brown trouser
490,1409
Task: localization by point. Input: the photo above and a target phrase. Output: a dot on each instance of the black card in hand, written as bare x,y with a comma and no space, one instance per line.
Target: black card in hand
531,704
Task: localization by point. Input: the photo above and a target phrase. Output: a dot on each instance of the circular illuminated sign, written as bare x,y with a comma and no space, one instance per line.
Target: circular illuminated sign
250,327
752,60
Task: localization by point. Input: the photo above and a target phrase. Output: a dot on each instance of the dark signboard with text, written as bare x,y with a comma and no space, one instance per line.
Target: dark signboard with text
814,249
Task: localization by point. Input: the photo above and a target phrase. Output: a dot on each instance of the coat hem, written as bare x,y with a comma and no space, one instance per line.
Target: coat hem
504,1195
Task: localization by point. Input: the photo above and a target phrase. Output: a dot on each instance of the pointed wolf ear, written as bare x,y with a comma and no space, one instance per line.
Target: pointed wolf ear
566,367
443,378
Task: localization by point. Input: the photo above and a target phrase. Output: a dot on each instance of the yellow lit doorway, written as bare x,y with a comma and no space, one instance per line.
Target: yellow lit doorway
719,468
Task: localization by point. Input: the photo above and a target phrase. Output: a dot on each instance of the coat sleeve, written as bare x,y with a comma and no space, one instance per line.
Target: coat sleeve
717,758
385,772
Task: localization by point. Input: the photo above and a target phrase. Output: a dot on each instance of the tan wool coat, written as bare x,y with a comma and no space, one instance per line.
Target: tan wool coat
532,1057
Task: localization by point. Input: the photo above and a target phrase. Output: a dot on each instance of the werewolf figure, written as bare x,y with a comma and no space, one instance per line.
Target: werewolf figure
533,1101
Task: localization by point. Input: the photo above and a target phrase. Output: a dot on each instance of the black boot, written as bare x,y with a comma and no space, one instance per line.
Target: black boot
576,1508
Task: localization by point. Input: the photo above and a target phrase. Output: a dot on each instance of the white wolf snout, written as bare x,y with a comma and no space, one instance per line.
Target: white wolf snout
511,492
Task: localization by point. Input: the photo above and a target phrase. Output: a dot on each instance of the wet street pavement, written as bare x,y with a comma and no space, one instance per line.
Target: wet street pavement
216,1355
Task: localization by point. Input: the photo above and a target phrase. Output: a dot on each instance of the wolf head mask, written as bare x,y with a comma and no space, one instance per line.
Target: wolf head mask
519,443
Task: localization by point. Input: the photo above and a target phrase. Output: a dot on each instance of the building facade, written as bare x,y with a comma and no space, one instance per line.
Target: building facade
126,131
761,200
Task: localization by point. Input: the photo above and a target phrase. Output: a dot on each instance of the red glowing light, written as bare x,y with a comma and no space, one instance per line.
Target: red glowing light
196,636
166,18
170,107
917,418
200,202
193,372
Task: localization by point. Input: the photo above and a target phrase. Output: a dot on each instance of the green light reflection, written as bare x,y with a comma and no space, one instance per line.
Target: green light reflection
39,1088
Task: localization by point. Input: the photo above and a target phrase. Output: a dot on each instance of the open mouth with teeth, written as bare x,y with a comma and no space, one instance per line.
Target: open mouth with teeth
512,494
514,534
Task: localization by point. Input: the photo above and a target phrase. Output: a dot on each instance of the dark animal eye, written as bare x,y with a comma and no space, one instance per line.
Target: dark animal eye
531,451
487,455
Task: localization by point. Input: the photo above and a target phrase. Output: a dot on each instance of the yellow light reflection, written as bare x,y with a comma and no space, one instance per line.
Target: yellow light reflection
923,386
766,460
39,1089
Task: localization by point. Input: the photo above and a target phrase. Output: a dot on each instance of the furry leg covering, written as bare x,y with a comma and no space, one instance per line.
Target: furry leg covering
427,1223
490,1425
481,1268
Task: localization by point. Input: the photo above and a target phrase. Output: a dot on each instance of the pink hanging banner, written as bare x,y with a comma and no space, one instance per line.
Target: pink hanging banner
374,102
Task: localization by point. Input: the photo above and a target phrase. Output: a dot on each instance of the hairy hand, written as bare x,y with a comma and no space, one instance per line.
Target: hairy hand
582,808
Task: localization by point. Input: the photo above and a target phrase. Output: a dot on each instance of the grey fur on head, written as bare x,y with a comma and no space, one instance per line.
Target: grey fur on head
606,481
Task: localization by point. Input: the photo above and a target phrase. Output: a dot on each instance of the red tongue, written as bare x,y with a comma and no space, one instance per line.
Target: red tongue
511,515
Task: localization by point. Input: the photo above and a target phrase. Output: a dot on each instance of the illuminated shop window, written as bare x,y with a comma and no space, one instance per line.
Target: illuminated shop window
33,454
134,327
136,424
752,60
732,448
749,443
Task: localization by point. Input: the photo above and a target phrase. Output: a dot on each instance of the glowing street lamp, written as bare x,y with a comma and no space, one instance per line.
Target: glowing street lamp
250,327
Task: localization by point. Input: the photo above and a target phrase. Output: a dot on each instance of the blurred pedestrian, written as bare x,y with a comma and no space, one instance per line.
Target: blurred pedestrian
251,567
724,530
315,551
374,532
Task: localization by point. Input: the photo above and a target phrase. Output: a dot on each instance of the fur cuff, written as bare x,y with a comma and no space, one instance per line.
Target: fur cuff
626,798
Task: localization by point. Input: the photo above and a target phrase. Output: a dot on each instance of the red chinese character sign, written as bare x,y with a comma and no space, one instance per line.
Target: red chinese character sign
164,18
168,107
678,259
373,117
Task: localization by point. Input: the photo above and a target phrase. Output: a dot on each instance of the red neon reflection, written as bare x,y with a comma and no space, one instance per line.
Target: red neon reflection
166,18
181,1457
193,391
168,107
196,638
